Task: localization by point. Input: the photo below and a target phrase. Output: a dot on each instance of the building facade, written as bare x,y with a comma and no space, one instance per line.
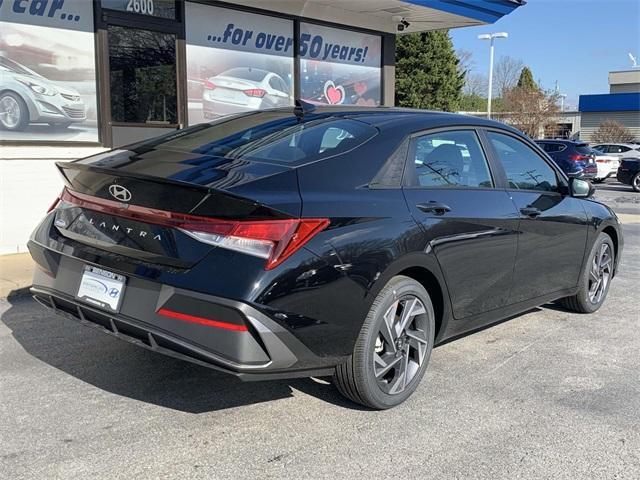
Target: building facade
78,77
621,104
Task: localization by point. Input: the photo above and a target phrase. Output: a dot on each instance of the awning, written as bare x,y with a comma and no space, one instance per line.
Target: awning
382,15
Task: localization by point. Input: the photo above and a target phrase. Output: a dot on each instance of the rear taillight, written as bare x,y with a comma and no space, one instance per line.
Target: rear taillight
54,204
273,240
579,158
209,85
255,92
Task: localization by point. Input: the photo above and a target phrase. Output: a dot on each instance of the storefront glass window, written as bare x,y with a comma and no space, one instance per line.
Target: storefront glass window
142,68
152,8
236,61
47,72
339,66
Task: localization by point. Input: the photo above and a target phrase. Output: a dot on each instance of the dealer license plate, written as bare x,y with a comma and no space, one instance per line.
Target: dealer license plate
101,288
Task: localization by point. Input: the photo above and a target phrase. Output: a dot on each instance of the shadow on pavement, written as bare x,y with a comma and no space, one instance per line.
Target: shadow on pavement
124,369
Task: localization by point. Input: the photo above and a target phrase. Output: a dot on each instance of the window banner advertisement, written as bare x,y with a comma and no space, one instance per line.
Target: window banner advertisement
47,71
339,66
236,61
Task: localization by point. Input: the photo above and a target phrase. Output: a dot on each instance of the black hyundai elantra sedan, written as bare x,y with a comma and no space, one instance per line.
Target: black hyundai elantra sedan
321,241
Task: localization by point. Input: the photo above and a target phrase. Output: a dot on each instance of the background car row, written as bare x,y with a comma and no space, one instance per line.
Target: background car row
597,162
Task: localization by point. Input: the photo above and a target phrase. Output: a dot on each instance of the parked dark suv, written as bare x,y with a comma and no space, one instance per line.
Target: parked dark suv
629,173
576,159
330,241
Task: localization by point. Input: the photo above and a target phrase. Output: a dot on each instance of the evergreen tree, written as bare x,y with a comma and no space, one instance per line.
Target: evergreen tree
472,103
526,80
427,73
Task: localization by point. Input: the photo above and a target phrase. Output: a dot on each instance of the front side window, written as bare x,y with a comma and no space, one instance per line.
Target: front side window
524,168
450,159
142,68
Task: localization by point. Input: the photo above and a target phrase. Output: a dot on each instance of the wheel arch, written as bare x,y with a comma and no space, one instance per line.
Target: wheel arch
617,244
429,281
31,108
425,270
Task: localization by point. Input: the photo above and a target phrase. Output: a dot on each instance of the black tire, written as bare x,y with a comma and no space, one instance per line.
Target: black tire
583,301
22,110
635,182
356,378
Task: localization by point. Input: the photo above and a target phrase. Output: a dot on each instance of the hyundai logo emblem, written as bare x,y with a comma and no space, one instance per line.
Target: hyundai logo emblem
120,193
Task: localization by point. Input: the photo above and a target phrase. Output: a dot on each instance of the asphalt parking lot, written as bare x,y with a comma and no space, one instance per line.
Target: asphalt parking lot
547,394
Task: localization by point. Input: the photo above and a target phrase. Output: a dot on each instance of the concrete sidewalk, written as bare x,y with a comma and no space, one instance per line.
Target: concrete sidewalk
16,274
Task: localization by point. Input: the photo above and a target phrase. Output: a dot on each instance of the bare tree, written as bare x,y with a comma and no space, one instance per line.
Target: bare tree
531,110
612,131
465,61
505,74
475,84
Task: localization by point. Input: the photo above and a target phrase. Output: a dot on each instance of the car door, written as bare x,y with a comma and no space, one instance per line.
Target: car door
553,225
468,223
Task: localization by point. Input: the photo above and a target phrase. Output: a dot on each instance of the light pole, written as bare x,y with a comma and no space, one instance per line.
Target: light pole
492,37
562,97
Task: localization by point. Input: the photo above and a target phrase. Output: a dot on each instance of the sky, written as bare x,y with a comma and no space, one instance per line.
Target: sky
573,42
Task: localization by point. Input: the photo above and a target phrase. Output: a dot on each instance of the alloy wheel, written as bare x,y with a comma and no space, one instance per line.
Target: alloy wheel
600,273
401,345
9,112
636,182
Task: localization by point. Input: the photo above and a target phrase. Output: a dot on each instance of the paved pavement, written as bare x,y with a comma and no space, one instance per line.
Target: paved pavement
547,394
16,274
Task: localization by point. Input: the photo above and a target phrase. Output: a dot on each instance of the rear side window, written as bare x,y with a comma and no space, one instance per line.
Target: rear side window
552,147
274,137
450,159
525,169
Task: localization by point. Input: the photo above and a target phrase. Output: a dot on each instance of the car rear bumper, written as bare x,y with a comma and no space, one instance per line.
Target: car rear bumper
263,350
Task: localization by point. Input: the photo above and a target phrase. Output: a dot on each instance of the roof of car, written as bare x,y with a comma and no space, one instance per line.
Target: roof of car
565,142
630,145
396,116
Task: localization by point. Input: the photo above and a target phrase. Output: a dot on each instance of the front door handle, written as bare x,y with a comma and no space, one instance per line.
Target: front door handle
434,207
531,212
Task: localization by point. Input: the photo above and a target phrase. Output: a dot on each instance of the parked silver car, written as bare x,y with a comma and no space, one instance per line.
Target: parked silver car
243,89
27,97
619,150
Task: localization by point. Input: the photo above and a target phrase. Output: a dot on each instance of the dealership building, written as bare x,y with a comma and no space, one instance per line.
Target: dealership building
78,77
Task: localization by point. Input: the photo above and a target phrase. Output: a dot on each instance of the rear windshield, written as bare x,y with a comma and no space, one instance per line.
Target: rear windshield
274,137
584,149
253,74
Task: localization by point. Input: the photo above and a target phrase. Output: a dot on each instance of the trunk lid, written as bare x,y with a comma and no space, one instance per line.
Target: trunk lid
114,200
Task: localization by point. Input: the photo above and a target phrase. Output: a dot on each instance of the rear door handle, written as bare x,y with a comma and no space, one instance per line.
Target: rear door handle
434,207
531,212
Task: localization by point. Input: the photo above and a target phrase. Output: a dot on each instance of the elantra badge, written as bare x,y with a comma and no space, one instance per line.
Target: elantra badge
120,193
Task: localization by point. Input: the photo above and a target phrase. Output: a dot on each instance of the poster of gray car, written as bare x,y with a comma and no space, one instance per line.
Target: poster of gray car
236,62
47,73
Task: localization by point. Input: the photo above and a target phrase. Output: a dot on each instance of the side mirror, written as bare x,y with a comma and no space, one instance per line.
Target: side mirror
581,188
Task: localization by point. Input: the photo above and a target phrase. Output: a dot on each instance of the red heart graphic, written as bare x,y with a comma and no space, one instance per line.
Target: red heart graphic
334,94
